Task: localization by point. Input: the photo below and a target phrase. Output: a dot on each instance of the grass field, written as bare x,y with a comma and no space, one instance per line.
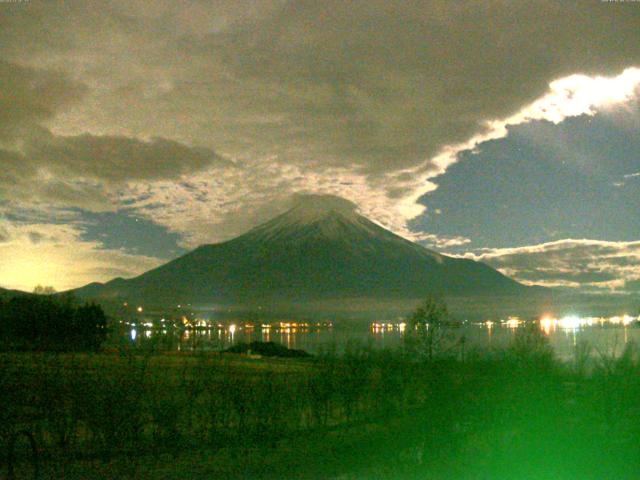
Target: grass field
514,413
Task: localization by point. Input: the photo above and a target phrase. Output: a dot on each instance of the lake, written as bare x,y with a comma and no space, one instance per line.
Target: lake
565,335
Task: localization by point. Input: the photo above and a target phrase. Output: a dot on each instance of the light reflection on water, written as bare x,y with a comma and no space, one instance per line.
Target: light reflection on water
564,335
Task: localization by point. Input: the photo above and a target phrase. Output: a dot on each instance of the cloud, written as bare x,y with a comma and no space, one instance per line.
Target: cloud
29,96
586,264
88,171
218,204
633,285
442,242
118,105
388,92
56,255
117,159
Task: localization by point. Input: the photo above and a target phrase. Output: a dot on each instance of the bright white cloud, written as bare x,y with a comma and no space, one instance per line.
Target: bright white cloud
567,97
580,95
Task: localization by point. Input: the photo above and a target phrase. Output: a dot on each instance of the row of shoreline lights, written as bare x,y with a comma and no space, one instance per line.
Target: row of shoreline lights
547,323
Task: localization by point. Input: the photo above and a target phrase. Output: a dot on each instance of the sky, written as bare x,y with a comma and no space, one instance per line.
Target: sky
506,132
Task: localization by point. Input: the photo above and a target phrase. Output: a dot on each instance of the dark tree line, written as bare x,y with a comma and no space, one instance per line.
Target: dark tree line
45,322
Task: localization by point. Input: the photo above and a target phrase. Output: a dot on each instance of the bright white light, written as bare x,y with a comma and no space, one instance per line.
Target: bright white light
232,329
547,324
133,334
624,320
570,322
513,322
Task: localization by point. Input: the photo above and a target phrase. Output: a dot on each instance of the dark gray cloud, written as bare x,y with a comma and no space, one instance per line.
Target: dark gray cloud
87,171
29,96
118,158
388,84
381,85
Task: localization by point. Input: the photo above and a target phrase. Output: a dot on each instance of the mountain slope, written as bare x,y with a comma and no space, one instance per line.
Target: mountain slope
317,250
5,293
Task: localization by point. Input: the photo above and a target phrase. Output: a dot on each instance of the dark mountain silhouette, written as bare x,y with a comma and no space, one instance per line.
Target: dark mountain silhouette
321,249
5,293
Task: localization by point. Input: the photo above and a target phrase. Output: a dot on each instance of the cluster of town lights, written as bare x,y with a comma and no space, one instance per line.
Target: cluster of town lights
382,327
574,322
200,323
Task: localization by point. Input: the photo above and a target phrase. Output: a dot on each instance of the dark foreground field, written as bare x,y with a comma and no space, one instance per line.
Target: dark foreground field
511,414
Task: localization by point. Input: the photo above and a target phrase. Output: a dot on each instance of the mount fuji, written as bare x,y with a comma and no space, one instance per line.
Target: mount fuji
319,250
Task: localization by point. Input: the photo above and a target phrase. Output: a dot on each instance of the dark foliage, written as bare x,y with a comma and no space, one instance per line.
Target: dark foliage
424,411
44,322
507,413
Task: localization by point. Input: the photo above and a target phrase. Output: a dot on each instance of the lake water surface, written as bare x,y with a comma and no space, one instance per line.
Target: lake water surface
567,335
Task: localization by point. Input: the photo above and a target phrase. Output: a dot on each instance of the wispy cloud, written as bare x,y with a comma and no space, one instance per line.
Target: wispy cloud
585,264
430,240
